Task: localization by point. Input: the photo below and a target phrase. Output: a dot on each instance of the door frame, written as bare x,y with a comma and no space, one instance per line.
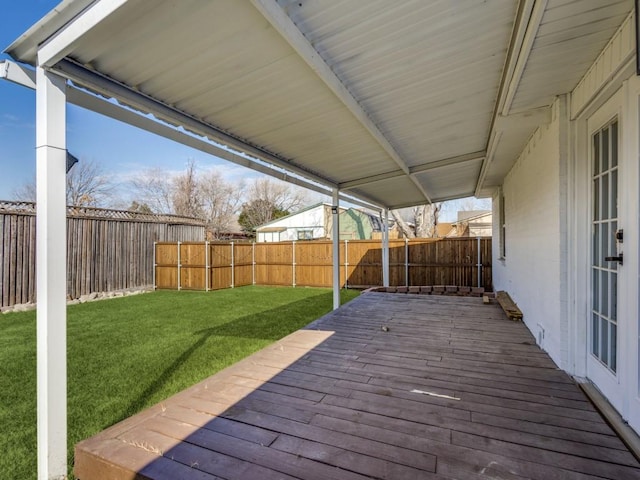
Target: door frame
609,383
630,287
627,96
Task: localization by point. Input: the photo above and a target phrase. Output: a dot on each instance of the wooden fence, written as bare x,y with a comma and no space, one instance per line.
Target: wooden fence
107,250
212,265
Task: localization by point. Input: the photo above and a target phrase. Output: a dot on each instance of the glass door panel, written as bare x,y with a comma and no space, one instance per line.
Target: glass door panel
604,278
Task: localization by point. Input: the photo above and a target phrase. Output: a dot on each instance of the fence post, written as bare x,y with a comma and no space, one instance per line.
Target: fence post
253,263
179,267
406,262
346,264
293,258
155,265
207,268
479,263
233,268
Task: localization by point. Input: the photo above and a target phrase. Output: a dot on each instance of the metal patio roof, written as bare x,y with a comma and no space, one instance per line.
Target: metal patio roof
398,103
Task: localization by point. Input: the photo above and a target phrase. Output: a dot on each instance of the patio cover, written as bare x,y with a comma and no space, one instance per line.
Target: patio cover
396,103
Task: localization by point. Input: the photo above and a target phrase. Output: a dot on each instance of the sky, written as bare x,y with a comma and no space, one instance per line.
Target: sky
123,151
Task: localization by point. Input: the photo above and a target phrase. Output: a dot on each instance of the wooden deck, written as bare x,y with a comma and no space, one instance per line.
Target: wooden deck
448,389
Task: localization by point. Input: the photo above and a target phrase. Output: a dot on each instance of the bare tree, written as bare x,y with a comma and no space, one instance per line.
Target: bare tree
25,192
153,188
427,219
268,199
220,202
407,230
423,217
87,186
281,195
186,194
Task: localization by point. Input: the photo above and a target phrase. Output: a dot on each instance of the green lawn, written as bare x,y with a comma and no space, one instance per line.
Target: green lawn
129,353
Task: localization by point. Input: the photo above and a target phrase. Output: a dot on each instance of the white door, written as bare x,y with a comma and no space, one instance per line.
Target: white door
604,322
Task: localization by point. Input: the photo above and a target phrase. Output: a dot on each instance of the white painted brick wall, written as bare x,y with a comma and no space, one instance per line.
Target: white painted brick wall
531,270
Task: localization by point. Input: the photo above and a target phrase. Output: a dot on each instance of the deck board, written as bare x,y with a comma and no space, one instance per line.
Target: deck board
449,389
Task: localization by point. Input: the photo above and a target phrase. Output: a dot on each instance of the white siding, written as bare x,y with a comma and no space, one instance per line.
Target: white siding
618,51
532,271
312,219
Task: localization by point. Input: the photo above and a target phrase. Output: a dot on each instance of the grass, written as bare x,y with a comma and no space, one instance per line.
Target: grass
129,353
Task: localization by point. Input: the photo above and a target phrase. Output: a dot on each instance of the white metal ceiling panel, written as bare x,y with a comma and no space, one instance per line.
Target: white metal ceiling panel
427,72
237,74
452,181
383,88
571,35
400,188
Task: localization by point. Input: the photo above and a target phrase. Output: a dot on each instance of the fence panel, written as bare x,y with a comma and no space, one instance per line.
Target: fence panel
243,264
314,263
414,262
364,263
106,250
17,259
221,258
193,266
274,263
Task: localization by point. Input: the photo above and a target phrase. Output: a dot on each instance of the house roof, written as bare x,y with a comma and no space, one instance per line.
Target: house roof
469,216
397,103
265,226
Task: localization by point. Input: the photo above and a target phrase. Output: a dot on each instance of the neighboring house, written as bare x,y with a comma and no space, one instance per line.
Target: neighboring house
315,223
472,223
233,231
358,225
310,223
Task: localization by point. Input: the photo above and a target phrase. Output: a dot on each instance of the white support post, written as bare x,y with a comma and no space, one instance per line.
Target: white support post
385,249
336,247
51,257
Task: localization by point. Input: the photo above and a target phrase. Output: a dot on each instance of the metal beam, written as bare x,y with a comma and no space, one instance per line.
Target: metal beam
530,13
24,76
278,18
371,179
117,112
21,75
135,99
531,26
436,200
51,268
18,74
63,42
445,162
